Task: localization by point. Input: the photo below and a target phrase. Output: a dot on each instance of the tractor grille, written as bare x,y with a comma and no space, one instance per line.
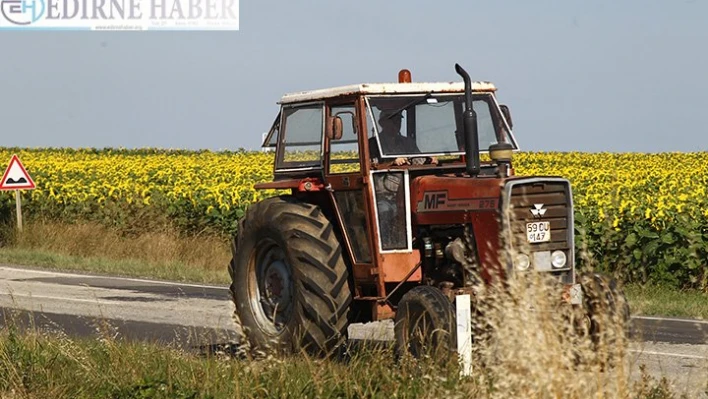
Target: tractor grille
551,201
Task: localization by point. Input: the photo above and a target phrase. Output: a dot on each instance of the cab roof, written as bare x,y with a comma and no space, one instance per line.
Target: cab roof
385,88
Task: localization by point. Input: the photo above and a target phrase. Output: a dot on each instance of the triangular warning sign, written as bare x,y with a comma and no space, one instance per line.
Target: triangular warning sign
16,177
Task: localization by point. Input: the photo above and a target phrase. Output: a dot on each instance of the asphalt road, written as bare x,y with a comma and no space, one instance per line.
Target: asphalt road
198,317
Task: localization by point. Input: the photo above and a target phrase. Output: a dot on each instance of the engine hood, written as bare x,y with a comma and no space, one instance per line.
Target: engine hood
450,199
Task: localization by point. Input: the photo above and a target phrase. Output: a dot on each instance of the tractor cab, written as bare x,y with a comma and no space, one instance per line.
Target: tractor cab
416,123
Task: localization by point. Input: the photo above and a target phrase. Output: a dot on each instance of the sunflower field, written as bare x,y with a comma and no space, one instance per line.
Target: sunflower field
642,215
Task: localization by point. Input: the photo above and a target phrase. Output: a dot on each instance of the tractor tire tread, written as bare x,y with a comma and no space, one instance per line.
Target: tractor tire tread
436,303
319,269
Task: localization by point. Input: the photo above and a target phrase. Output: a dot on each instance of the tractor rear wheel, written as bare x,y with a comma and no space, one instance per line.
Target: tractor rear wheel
425,323
289,279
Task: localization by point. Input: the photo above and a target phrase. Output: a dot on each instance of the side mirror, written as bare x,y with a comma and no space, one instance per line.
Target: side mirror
507,115
353,119
334,128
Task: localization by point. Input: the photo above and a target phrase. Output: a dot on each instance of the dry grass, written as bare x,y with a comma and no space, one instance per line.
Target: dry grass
86,240
529,354
537,348
91,247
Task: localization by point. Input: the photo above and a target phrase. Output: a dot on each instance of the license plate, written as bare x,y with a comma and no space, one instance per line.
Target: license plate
538,232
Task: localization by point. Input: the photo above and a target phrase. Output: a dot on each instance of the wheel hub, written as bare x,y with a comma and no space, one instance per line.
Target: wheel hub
271,287
277,285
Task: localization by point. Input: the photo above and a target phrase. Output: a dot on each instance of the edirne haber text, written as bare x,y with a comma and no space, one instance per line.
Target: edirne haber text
136,9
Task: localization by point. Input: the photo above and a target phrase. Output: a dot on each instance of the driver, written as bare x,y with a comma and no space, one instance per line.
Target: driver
388,185
393,141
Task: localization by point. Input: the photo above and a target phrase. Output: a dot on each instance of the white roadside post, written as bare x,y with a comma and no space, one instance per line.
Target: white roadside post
464,332
16,178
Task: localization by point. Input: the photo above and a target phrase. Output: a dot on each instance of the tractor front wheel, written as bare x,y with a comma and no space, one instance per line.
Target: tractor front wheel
425,323
289,279
608,312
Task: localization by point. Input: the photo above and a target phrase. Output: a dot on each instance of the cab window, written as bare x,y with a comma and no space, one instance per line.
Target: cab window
301,134
344,152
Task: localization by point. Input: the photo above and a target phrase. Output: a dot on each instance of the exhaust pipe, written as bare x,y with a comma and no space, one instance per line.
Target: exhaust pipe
469,120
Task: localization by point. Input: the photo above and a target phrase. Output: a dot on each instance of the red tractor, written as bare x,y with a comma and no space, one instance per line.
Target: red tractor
391,209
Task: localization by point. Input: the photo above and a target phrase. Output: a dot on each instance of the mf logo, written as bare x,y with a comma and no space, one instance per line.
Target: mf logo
538,210
22,12
434,200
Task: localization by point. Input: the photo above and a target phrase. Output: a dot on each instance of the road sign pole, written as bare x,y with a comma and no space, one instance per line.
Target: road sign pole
18,205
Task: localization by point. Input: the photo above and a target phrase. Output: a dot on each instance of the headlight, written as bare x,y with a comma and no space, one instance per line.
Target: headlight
522,262
558,259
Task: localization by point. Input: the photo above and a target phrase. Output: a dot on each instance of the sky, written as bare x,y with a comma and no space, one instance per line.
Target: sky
578,75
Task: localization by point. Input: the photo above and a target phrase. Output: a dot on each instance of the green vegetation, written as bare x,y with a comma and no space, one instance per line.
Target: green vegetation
654,300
